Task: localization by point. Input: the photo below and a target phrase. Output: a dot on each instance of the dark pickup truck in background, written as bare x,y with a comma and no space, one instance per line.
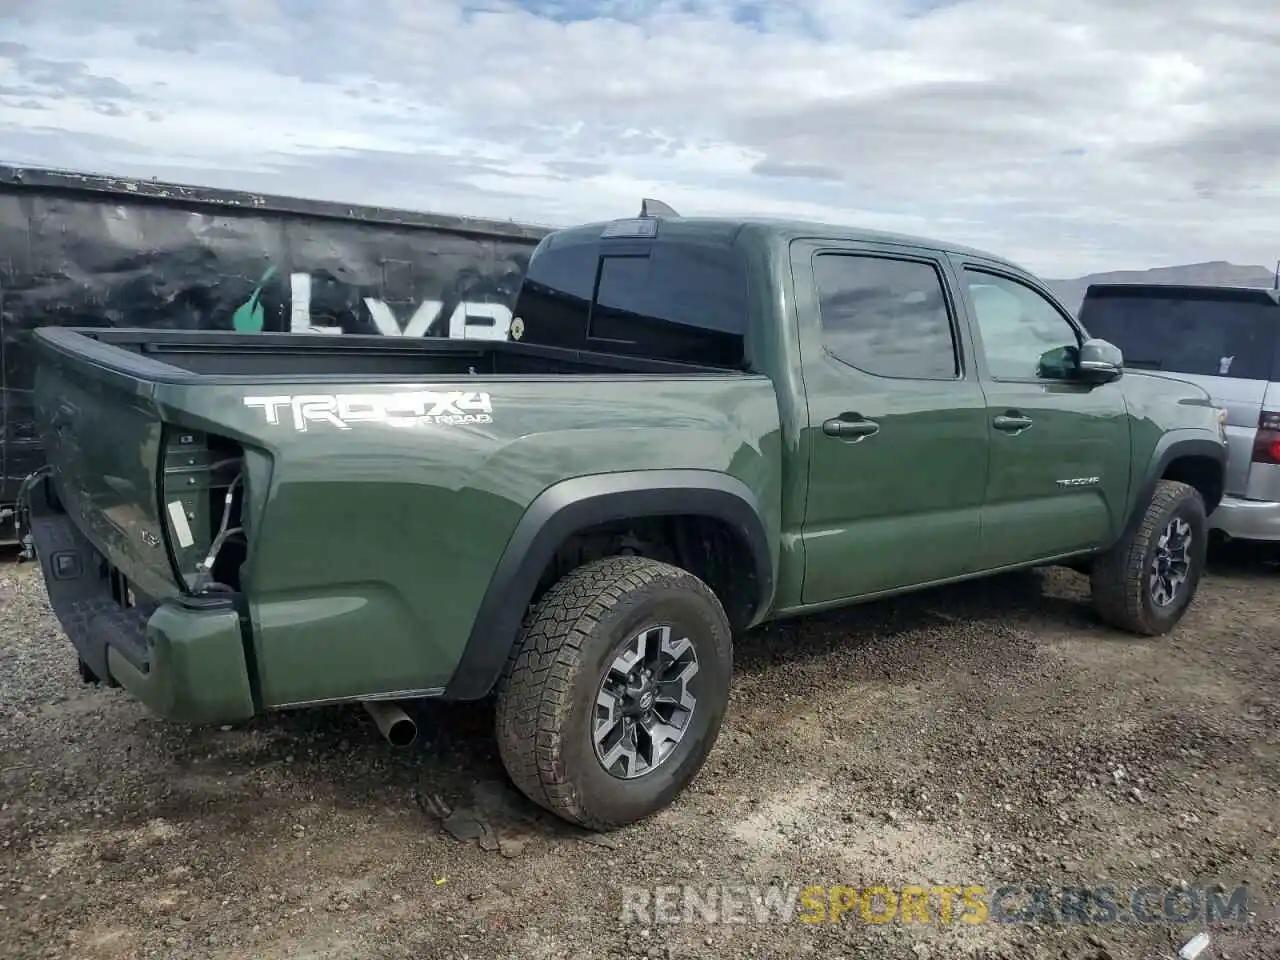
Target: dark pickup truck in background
694,426
85,250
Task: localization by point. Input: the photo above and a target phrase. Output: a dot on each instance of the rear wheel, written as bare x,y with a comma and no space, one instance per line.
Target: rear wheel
1145,583
615,692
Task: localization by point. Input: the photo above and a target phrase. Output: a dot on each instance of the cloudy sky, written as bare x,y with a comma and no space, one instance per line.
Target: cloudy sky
1095,134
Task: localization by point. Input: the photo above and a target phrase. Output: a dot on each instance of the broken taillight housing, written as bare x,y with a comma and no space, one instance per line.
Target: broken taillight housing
202,488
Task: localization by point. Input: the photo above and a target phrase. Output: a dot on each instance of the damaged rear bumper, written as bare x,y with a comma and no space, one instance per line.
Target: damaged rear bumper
183,658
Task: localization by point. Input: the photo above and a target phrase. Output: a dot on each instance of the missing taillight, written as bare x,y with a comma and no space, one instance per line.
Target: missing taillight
229,530
203,493
1266,442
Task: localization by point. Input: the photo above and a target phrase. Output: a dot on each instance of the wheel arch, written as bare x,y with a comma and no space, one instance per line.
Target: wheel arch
572,506
1196,460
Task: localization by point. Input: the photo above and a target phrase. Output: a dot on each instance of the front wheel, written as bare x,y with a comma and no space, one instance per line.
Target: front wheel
615,692
1145,583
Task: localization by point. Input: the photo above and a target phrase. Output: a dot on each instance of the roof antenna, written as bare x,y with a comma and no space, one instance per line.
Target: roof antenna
656,208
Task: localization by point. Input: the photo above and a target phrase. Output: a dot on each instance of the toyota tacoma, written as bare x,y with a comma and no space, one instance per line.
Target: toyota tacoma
694,426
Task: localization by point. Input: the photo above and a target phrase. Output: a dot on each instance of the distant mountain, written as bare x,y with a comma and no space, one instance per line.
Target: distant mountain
1217,273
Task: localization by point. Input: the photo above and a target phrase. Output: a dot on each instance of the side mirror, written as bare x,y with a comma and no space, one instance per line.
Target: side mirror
1099,362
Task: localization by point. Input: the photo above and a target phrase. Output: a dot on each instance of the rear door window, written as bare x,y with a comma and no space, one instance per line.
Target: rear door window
886,316
664,300
1219,337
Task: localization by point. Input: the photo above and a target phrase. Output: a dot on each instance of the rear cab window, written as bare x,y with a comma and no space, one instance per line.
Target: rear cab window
886,316
1209,332
681,298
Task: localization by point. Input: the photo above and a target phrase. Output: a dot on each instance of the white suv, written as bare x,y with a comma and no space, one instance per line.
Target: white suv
1227,340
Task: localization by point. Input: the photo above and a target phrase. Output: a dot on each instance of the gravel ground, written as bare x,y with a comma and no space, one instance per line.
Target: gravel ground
987,734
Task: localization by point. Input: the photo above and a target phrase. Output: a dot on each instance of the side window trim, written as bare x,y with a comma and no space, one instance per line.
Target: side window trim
727,345
949,300
966,267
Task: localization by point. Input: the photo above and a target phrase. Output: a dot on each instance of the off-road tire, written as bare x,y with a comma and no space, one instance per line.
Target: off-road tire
1120,577
547,692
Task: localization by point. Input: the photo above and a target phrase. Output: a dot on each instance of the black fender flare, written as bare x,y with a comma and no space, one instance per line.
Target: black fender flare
1172,446
575,504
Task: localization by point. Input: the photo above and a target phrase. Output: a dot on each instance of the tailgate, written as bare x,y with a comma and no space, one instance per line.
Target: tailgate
102,441
146,494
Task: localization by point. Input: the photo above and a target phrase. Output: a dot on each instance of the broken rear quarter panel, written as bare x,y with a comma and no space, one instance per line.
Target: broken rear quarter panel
379,542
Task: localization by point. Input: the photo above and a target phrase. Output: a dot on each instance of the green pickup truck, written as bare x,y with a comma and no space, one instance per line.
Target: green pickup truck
694,426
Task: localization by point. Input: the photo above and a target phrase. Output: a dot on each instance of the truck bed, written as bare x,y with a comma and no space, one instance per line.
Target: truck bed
339,506
179,356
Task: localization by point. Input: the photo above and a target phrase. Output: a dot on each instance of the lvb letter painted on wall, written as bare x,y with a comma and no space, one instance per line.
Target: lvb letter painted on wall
469,320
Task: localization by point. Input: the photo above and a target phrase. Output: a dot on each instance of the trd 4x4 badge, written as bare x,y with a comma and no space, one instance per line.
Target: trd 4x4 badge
410,409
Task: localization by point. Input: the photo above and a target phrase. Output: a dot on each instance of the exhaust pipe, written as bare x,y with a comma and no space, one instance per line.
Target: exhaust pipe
396,726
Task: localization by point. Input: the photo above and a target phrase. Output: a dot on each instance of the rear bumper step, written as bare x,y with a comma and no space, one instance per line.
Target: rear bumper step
80,592
183,659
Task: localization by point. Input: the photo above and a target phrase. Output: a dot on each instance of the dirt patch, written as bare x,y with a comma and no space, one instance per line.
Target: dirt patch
990,735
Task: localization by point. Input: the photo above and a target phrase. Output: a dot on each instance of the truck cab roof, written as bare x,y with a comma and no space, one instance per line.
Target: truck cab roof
729,229
683,289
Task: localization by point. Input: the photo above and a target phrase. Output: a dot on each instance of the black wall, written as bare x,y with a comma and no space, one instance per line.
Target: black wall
94,251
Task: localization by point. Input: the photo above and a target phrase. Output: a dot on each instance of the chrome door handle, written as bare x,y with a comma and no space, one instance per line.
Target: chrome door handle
850,427
1011,423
